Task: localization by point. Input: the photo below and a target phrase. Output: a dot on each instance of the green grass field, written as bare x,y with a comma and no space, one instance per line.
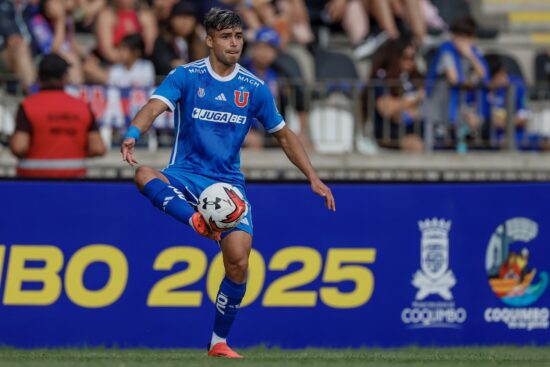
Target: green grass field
478,357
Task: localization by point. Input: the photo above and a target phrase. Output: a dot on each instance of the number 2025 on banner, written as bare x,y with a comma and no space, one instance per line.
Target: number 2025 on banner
339,265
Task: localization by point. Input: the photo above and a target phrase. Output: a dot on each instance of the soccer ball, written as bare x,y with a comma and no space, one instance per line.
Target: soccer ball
222,206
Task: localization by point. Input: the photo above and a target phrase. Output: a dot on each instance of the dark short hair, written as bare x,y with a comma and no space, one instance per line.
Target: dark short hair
134,42
183,7
464,26
495,64
218,19
52,68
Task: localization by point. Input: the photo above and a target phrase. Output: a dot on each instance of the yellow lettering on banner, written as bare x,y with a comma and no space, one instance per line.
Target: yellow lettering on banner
2,253
47,275
164,292
255,281
280,292
113,289
338,269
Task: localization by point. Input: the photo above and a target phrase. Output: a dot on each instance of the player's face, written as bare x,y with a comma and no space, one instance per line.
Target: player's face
227,45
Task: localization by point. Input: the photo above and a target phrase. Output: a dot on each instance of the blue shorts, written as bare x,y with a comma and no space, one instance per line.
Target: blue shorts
192,185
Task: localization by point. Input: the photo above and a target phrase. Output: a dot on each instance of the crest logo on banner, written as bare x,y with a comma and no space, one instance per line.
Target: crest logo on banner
434,279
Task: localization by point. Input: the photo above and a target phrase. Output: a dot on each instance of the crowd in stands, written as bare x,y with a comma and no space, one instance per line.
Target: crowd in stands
463,93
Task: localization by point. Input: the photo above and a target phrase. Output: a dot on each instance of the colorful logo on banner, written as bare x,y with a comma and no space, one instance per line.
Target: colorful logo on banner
434,278
512,277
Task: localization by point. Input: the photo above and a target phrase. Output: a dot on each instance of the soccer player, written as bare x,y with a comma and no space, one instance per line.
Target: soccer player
214,101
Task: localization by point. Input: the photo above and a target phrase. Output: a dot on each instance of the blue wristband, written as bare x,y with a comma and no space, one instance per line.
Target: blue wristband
132,132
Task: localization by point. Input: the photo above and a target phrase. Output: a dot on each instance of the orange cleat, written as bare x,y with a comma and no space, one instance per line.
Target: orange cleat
223,350
201,227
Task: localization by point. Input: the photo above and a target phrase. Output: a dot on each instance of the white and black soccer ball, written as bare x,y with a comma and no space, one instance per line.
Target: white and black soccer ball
222,206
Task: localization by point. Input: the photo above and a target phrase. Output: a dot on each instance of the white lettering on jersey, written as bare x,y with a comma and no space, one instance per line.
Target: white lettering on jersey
217,116
196,70
248,80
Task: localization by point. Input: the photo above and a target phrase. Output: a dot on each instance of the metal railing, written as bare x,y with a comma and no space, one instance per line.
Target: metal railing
339,115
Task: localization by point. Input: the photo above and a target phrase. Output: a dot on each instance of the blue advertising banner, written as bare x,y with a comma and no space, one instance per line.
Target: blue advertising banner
94,263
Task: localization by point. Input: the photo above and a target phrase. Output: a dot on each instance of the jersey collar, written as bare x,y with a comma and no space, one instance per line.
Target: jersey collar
219,77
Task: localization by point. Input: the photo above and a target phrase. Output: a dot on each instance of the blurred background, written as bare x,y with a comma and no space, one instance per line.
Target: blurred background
376,89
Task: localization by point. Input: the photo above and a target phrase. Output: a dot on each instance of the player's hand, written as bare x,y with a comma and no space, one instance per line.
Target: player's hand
127,150
321,189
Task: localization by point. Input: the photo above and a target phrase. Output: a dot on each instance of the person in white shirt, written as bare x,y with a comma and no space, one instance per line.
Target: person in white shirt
132,71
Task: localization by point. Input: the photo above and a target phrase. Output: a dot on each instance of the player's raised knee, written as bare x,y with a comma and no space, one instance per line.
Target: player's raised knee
143,175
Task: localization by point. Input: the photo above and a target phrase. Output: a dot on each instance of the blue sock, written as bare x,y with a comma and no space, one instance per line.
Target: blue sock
168,199
228,302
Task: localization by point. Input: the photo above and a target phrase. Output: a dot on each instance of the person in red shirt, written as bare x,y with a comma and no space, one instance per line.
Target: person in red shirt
54,131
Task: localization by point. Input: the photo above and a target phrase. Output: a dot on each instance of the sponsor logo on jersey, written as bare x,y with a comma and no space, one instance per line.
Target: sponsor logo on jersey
513,278
217,116
241,98
248,80
434,278
196,70
221,97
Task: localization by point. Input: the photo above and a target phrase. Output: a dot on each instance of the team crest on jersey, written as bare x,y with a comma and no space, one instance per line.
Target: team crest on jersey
201,92
241,98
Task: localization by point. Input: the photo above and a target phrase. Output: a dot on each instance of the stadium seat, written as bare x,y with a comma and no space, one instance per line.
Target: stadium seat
333,65
331,117
542,67
292,96
331,124
542,76
452,10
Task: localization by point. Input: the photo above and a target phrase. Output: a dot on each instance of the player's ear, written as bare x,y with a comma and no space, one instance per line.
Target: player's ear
209,41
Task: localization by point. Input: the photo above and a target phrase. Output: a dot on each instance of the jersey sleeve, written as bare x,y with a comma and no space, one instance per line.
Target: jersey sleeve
266,111
171,88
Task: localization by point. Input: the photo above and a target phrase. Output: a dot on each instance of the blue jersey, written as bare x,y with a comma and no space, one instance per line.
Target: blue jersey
212,115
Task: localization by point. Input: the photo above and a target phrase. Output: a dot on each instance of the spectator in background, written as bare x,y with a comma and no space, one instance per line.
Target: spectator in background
132,71
54,131
398,95
263,53
161,9
296,14
455,75
496,112
262,62
182,40
354,17
14,44
53,31
262,13
542,73
119,19
86,12
411,12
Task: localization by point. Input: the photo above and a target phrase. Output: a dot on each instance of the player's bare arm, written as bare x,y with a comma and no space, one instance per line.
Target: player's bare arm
143,121
296,153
